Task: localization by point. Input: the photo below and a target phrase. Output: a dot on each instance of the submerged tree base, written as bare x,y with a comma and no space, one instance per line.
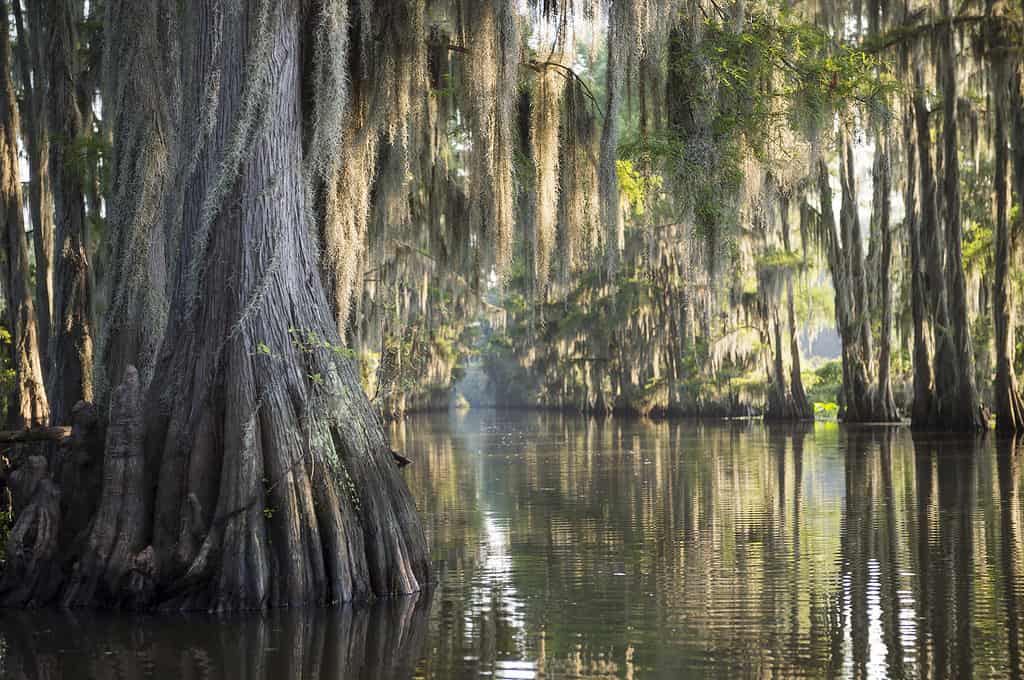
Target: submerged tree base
82,535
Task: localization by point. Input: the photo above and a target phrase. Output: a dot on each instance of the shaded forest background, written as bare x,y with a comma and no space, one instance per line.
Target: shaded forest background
691,286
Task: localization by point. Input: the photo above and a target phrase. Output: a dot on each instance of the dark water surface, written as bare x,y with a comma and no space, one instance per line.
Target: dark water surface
568,547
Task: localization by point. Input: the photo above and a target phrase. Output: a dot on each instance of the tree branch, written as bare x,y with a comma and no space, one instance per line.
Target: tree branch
35,434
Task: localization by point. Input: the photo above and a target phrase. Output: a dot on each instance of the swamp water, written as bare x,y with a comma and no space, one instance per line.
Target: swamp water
572,547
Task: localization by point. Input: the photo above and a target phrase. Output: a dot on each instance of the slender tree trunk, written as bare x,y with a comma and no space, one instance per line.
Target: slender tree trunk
960,405
779,405
1017,140
71,342
923,382
846,264
29,406
886,405
933,243
802,408
1008,402
32,44
608,182
853,249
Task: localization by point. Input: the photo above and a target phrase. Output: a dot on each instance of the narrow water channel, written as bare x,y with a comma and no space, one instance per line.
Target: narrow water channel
571,547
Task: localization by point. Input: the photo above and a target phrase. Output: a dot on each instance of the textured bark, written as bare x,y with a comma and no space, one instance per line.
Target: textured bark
958,397
954,404
885,407
304,503
35,434
786,398
922,360
780,403
138,104
253,472
1008,402
29,407
860,402
857,349
53,496
32,45
801,407
113,567
608,181
71,343
31,573
1017,140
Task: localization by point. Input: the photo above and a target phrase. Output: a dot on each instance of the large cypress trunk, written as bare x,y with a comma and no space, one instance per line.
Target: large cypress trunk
70,379
138,95
253,472
29,406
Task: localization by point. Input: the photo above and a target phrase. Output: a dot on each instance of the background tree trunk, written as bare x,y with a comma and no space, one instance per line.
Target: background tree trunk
959,398
71,342
32,45
886,405
933,245
845,256
29,406
922,408
802,407
860,393
1008,402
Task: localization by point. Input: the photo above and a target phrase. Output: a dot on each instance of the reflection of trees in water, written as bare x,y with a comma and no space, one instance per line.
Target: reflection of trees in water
1008,453
723,548
869,637
680,538
599,548
379,641
930,584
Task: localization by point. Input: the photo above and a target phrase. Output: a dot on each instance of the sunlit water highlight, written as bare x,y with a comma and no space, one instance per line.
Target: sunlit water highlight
569,547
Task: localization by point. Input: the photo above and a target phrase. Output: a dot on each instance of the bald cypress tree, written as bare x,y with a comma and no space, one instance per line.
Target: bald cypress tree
70,379
29,406
248,468
232,459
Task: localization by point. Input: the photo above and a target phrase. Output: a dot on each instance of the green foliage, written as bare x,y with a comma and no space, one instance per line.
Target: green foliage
777,260
830,372
635,186
823,385
828,410
309,341
6,524
88,154
7,370
777,57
